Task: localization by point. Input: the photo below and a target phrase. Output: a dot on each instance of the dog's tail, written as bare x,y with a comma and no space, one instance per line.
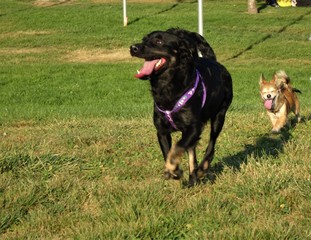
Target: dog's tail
296,90
281,76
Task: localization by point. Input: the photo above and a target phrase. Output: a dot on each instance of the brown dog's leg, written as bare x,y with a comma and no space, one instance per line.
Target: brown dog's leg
280,123
279,120
273,119
297,110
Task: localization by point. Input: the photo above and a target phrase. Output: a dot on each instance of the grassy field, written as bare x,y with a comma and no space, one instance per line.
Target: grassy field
79,158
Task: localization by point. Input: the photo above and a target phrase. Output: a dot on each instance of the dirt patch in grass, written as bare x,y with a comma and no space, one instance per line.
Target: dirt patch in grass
135,1
14,51
99,55
50,3
79,56
25,33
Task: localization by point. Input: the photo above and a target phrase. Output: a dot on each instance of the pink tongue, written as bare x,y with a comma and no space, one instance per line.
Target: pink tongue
147,69
268,104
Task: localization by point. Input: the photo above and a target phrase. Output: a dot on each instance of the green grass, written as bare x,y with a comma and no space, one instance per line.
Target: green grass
79,158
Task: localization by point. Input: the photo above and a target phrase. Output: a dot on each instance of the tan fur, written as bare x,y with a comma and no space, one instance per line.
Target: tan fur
284,98
192,160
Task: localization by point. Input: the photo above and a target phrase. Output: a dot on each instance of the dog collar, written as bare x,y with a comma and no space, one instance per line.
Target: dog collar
183,100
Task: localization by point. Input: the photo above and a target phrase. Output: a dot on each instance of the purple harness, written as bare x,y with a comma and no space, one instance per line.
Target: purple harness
182,101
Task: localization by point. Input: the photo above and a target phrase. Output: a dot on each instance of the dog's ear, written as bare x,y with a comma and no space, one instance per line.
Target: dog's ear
262,79
275,77
187,50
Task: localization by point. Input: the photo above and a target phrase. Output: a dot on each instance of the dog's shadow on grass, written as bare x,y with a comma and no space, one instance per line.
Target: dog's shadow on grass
269,145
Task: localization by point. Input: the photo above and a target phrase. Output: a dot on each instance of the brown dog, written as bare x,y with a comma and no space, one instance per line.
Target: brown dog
279,99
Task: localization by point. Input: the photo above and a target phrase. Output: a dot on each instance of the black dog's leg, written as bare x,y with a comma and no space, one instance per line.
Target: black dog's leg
193,165
165,142
216,126
187,142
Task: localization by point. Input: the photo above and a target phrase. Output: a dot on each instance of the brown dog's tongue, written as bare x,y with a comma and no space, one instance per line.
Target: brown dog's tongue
147,68
268,104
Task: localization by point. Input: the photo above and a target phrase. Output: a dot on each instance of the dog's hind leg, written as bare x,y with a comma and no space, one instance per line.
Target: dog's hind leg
216,126
297,110
193,165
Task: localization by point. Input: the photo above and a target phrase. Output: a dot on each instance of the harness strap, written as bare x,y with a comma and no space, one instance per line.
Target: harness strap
183,100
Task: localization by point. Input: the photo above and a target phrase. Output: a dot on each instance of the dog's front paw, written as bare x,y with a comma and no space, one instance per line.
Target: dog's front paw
193,180
202,176
200,173
175,174
172,170
276,130
273,131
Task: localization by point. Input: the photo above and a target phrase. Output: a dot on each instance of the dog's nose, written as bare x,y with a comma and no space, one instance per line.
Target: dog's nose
134,48
269,96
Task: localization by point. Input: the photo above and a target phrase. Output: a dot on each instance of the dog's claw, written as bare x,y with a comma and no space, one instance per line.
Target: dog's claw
176,174
167,175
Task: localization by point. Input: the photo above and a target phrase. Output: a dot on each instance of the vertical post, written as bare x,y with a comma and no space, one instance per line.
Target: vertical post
124,14
200,18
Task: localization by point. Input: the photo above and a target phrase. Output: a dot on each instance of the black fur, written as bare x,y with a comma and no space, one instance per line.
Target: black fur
180,49
296,90
202,46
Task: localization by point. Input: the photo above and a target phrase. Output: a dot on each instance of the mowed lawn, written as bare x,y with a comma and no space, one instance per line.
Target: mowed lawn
79,158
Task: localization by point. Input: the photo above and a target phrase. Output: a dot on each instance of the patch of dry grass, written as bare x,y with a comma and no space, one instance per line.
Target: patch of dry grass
50,3
25,33
13,51
99,55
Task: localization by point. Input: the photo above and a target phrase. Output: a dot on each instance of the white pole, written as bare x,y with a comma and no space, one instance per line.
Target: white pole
200,19
124,14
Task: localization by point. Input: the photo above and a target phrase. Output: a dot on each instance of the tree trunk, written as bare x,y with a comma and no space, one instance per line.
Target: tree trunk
252,8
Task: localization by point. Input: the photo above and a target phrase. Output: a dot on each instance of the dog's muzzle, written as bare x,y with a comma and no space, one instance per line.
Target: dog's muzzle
135,49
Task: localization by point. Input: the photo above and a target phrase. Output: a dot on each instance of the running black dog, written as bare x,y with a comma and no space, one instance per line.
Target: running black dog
188,90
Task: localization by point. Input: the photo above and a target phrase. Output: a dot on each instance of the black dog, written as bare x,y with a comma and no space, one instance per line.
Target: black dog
188,90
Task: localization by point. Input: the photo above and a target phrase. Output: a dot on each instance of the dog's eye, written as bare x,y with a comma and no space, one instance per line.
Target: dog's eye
158,42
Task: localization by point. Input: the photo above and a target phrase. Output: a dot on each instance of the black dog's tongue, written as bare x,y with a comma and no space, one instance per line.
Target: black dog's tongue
147,68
